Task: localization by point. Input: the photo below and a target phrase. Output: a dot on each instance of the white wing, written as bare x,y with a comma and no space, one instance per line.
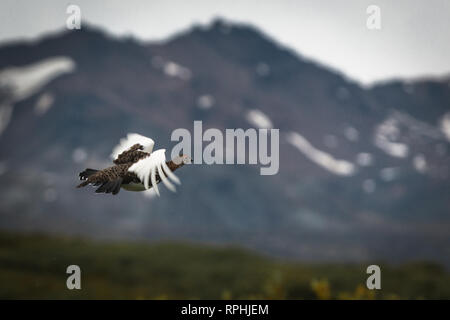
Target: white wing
147,168
130,140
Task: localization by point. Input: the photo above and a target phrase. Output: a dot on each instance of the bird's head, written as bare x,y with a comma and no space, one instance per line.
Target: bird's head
182,159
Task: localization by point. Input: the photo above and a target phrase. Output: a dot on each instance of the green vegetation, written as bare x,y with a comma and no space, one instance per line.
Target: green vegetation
34,266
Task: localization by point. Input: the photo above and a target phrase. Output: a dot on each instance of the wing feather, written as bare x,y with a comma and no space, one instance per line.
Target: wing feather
146,170
169,173
164,179
153,178
130,140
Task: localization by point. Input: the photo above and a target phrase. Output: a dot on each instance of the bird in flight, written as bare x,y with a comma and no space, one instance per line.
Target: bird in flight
136,168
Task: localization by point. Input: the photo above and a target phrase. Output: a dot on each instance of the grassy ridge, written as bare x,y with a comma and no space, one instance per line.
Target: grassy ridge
33,266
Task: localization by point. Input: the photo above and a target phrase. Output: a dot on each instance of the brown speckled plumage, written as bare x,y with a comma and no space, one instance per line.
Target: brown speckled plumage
132,155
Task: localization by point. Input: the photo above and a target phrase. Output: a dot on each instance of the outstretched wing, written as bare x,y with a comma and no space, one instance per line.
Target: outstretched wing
129,141
149,168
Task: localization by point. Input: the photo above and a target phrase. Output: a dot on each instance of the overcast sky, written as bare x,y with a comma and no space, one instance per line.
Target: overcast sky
414,39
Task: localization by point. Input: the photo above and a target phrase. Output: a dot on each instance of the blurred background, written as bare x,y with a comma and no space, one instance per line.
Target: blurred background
364,119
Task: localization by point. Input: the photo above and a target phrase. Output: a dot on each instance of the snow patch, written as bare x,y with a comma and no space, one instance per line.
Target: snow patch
44,103
205,101
385,134
175,70
420,163
445,125
364,159
323,159
259,119
26,80
22,82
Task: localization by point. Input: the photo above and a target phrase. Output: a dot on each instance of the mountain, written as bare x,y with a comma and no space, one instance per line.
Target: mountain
364,172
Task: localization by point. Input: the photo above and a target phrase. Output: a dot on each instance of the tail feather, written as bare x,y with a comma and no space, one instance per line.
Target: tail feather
117,185
99,181
110,187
